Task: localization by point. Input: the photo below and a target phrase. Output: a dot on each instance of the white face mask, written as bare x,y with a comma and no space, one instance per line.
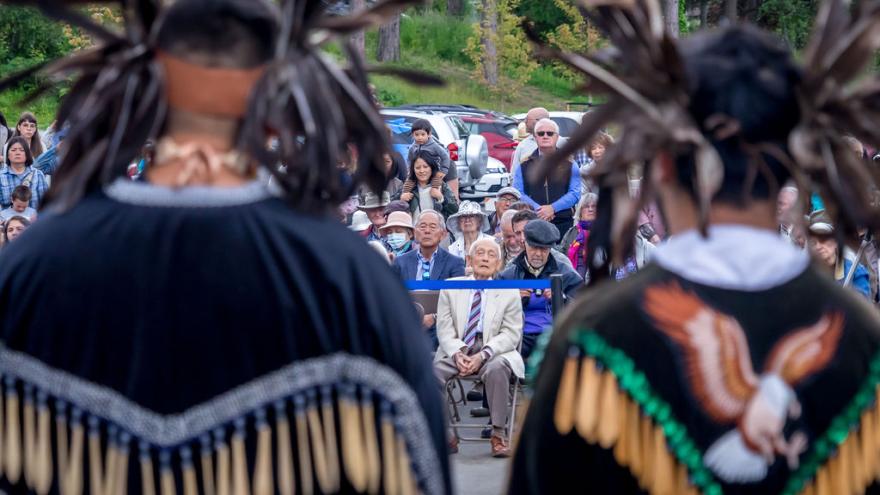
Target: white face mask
397,240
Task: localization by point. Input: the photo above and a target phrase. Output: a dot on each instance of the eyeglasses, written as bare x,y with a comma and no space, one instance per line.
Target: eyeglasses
545,133
505,199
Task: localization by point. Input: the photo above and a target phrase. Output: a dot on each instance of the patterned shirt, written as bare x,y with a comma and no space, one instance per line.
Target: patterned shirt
425,266
9,180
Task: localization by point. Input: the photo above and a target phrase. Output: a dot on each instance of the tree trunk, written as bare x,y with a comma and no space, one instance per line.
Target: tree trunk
489,24
670,10
357,39
455,8
704,14
752,8
388,49
730,10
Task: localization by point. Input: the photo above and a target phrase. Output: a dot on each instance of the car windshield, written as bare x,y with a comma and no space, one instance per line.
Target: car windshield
512,130
460,129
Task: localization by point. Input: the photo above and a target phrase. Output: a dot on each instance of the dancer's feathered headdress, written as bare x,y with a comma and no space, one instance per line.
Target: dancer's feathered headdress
644,76
314,107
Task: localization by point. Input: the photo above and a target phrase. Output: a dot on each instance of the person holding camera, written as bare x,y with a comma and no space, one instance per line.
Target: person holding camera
536,263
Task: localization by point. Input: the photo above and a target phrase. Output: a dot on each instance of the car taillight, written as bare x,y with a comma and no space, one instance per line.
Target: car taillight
453,151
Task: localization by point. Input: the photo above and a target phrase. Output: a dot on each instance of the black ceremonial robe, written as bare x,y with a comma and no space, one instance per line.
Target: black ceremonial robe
662,385
210,341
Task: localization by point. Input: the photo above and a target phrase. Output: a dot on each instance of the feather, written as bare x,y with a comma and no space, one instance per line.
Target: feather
716,351
806,350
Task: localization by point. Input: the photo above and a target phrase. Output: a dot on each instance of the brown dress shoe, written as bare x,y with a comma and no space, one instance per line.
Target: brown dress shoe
453,445
500,447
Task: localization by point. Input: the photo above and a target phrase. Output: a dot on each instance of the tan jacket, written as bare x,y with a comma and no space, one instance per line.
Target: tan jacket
502,323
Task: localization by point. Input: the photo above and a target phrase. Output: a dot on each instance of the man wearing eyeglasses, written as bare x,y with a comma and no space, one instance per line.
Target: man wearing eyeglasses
554,195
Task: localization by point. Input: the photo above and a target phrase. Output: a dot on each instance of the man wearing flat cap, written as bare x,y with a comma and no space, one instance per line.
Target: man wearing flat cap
536,263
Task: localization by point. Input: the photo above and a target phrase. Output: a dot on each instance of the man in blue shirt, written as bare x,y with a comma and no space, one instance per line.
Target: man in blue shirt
554,195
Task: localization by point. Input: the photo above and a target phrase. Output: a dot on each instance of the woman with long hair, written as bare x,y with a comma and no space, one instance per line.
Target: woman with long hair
18,171
424,166
27,128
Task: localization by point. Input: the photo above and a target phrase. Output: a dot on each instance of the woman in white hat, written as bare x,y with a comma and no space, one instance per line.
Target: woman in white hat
398,233
467,226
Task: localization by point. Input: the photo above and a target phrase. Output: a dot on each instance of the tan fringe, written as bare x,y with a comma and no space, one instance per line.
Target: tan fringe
563,416
609,428
330,442
224,476
73,478
664,465
240,482
148,482
120,474
404,469
96,475
823,483
166,480
352,441
305,461
637,461
589,387
390,461
319,455
374,468
190,484
263,465
646,433
286,476
13,438
621,454
43,457
30,441
112,460
61,449
207,461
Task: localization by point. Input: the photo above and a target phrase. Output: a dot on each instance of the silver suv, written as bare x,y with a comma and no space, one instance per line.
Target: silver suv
470,152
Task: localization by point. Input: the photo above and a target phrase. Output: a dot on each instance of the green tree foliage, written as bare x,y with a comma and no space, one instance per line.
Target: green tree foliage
543,14
791,19
27,38
574,34
515,60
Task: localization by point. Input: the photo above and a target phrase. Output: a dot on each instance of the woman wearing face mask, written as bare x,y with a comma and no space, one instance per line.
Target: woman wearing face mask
398,233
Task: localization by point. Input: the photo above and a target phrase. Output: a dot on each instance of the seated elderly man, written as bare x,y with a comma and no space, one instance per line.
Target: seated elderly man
534,264
479,331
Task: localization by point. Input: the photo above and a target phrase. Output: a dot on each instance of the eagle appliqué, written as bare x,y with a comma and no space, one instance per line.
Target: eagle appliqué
724,381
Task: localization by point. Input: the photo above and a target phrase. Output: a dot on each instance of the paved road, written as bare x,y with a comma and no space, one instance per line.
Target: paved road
474,470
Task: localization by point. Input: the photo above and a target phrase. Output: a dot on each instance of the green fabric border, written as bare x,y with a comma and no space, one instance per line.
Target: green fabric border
841,426
636,385
685,450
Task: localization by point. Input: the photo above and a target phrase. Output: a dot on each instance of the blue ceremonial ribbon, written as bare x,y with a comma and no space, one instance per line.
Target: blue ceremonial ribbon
476,284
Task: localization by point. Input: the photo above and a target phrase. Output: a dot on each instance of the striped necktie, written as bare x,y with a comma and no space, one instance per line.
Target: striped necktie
473,319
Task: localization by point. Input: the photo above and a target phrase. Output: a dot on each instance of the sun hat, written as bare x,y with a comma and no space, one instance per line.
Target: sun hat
467,208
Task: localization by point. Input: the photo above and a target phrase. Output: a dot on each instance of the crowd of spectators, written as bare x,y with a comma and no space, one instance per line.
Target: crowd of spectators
535,228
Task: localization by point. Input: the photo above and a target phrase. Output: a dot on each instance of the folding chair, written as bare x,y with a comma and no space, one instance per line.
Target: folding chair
456,396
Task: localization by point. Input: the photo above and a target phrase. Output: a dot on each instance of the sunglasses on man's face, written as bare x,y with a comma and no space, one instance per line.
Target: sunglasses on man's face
545,133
